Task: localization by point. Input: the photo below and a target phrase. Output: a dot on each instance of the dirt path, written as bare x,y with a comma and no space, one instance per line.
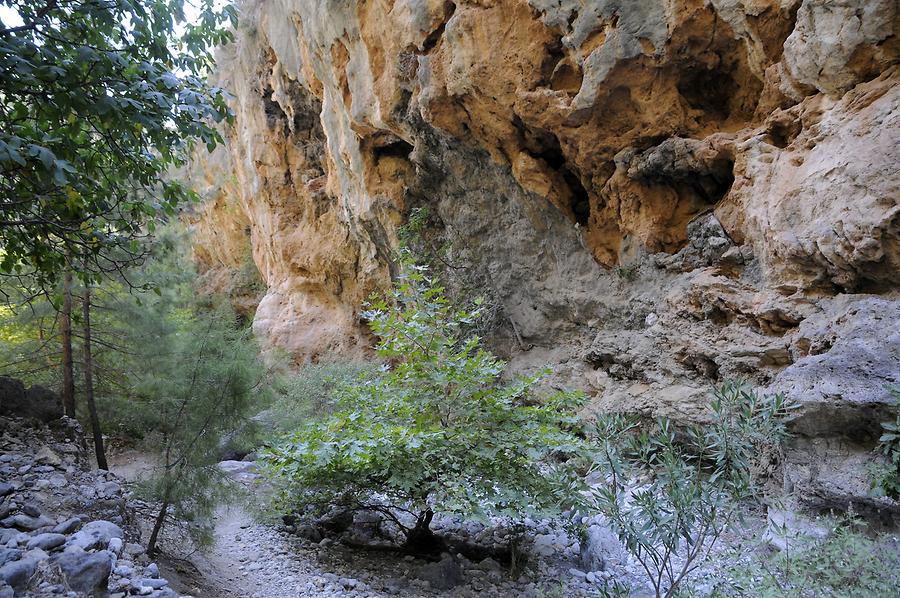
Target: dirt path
246,559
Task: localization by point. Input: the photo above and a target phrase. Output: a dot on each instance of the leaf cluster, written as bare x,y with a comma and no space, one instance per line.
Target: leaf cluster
670,493
886,481
98,100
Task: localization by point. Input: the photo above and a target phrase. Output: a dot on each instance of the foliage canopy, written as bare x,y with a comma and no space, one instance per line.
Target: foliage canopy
98,99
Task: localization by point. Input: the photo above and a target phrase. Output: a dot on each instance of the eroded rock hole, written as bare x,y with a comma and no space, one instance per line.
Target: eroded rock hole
567,77
275,116
580,201
435,36
395,149
708,90
544,146
781,134
712,187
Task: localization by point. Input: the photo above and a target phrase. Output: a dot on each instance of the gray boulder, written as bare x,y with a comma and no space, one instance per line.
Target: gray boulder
96,534
8,536
151,582
26,523
86,572
37,402
18,573
597,547
68,526
442,575
47,541
9,554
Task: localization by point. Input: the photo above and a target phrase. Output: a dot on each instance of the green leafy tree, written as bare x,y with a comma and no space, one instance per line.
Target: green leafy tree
435,429
98,100
696,479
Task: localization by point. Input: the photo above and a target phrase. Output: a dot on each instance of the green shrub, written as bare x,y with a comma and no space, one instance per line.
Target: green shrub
693,480
847,564
435,428
886,481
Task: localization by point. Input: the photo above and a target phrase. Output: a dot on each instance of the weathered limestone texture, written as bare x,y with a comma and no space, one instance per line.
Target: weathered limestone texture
654,196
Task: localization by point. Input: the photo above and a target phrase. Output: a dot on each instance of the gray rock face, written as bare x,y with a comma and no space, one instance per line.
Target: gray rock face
96,534
847,357
845,361
84,571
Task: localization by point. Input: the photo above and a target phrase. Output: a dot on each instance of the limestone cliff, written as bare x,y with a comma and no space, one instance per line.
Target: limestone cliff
654,195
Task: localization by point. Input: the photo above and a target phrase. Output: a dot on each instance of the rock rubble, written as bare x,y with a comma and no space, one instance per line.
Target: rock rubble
65,530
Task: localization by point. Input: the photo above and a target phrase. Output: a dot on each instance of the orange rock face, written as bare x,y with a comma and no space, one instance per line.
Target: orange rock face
653,195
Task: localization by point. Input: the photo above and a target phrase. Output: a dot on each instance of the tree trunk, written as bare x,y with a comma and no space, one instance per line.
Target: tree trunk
89,383
68,390
157,526
421,540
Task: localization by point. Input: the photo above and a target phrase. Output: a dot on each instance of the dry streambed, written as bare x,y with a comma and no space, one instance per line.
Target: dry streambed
67,530
258,560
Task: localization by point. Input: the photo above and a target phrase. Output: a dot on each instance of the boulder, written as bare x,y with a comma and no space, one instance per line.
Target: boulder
46,455
10,535
47,541
36,402
9,554
26,523
68,526
598,545
19,572
786,527
442,575
84,571
95,534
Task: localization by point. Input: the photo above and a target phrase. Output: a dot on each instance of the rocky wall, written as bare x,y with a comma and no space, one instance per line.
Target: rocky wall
655,196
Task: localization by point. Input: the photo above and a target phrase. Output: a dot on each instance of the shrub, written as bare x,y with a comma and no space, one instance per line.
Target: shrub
695,480
847,564
434,429
886,481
